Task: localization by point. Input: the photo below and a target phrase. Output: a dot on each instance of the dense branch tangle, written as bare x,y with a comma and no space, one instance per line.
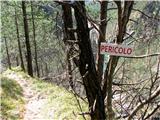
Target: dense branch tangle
86,61
96,88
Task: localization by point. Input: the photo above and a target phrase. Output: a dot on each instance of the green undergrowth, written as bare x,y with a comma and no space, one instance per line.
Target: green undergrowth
61,104
12,102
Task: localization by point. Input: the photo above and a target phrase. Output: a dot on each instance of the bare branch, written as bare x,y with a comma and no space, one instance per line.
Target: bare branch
142,56
129,35
153,111
140,105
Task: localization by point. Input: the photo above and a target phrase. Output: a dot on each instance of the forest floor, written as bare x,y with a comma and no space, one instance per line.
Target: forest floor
45,101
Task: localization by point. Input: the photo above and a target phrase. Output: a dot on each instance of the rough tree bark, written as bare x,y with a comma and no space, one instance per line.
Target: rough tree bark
34,40
68,35
29,56
68,23
18,40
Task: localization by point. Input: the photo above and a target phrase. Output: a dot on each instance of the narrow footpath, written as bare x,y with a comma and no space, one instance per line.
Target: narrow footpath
34,101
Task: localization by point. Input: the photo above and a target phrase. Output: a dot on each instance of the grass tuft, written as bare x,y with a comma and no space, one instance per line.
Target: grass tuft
12,103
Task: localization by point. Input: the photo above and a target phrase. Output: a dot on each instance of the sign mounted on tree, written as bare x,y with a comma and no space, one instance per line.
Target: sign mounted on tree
115,49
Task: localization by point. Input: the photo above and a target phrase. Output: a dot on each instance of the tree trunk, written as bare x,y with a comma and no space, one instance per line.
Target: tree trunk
68,35
46,69
107,88
102,28
123,17
34,40
17,60
29,56
68,23
18,40
42,72
87,65
86,61
8,57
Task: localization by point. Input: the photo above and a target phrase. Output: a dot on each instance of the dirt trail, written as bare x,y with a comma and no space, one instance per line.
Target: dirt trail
34,101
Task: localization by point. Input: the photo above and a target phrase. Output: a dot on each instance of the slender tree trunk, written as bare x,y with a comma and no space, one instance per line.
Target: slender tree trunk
102,28
34,40
42,72
17,60
46,69
18,40
68,35
123,18
29,56
107,88
8,57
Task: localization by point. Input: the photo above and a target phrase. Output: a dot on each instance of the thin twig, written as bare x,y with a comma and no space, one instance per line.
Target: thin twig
145,14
